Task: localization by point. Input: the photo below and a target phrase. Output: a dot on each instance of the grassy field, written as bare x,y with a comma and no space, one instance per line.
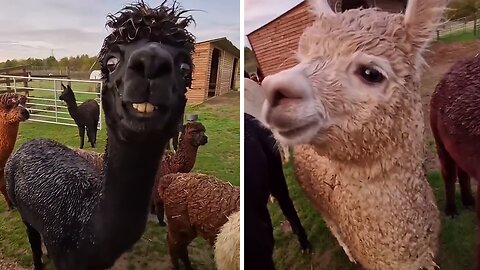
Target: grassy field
220,157
459,36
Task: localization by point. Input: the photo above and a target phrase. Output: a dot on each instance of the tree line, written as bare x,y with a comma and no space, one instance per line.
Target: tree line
74,63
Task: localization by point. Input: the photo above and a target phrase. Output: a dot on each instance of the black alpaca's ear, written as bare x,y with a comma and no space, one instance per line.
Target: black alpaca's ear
63,86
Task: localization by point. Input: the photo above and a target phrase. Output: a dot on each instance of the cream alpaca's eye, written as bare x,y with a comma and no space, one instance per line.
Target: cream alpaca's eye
112,63
370,75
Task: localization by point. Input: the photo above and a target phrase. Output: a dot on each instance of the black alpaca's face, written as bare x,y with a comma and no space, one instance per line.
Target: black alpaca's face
145,84
67,93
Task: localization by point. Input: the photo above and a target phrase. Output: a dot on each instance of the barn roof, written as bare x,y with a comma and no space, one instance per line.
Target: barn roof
224,44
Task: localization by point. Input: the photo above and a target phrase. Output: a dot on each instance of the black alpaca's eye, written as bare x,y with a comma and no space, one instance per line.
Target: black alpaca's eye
112,63
185,69
370,74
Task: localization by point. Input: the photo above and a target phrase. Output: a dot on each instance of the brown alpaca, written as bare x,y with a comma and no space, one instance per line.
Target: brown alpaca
12,112
455,122
182,161
195,204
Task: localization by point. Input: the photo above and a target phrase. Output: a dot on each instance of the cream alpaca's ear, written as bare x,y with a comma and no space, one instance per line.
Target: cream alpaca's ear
422,19
321,7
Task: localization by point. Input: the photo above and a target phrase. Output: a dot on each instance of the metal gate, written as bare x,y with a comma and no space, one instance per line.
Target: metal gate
42,93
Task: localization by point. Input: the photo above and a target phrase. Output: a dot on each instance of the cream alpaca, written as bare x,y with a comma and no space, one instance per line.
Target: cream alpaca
353,111
227,246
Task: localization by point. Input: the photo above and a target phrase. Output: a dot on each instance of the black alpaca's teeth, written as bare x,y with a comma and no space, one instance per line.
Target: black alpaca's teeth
144,107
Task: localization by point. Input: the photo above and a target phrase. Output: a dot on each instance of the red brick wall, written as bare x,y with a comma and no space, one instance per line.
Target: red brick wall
274,44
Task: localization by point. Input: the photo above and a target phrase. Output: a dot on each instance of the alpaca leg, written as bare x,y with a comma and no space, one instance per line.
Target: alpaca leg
81,133
159,210
465,188
3,189
91,137
175,142
449,175
177,245
36,244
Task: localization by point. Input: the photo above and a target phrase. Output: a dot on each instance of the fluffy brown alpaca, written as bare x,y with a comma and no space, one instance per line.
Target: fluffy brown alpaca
353,112
182,161
12,112
455,122
195,204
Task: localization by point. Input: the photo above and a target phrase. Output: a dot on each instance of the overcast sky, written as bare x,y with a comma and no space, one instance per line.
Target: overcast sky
260,12
33,28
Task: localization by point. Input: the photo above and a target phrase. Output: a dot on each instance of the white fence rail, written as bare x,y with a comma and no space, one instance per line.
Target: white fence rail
43,95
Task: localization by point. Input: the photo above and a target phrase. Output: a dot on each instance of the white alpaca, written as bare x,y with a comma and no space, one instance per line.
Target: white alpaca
352,110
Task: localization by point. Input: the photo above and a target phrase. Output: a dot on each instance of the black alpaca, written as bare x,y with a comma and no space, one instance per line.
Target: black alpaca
86,115
264,176
87,218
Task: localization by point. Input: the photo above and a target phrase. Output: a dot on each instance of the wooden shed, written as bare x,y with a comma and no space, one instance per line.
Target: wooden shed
216,70
274,43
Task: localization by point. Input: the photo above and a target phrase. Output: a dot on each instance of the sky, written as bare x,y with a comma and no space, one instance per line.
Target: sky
38,28
260,12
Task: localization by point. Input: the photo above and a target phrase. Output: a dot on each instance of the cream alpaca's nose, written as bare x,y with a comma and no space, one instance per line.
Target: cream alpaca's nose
286,87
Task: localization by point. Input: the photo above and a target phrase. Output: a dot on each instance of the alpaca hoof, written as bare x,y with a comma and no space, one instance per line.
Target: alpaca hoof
451,211
306,248
162,223
469,202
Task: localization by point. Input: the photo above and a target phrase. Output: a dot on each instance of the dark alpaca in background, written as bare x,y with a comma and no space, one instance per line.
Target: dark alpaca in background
455,123
188,84
88,217
264,176
86,115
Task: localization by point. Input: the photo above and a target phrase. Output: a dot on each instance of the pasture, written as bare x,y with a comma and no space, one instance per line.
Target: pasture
220,157
458,236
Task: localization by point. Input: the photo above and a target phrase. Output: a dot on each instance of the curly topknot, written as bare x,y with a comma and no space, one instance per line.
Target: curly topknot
138,21
11,98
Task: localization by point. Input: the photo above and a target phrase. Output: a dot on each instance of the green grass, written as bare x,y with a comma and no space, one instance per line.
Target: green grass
220,157
459,36
457,247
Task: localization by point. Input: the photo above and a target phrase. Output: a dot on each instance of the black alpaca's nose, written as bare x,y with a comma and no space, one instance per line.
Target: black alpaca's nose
151,61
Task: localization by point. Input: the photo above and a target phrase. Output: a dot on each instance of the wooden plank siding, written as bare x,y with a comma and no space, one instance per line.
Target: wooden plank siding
201,75
275,43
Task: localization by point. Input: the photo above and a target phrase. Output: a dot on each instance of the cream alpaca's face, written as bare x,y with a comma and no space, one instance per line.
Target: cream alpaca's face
354,67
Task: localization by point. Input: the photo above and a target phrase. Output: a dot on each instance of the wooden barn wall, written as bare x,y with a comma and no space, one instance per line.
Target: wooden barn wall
201,73
225,75
275,43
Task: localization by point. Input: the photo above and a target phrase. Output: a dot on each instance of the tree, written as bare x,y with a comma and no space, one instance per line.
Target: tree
463,8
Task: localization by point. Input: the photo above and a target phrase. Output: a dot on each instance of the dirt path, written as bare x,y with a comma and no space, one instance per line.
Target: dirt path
7,265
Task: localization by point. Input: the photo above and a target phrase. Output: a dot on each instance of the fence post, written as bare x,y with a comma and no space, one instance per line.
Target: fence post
55,96
475,24
100,115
